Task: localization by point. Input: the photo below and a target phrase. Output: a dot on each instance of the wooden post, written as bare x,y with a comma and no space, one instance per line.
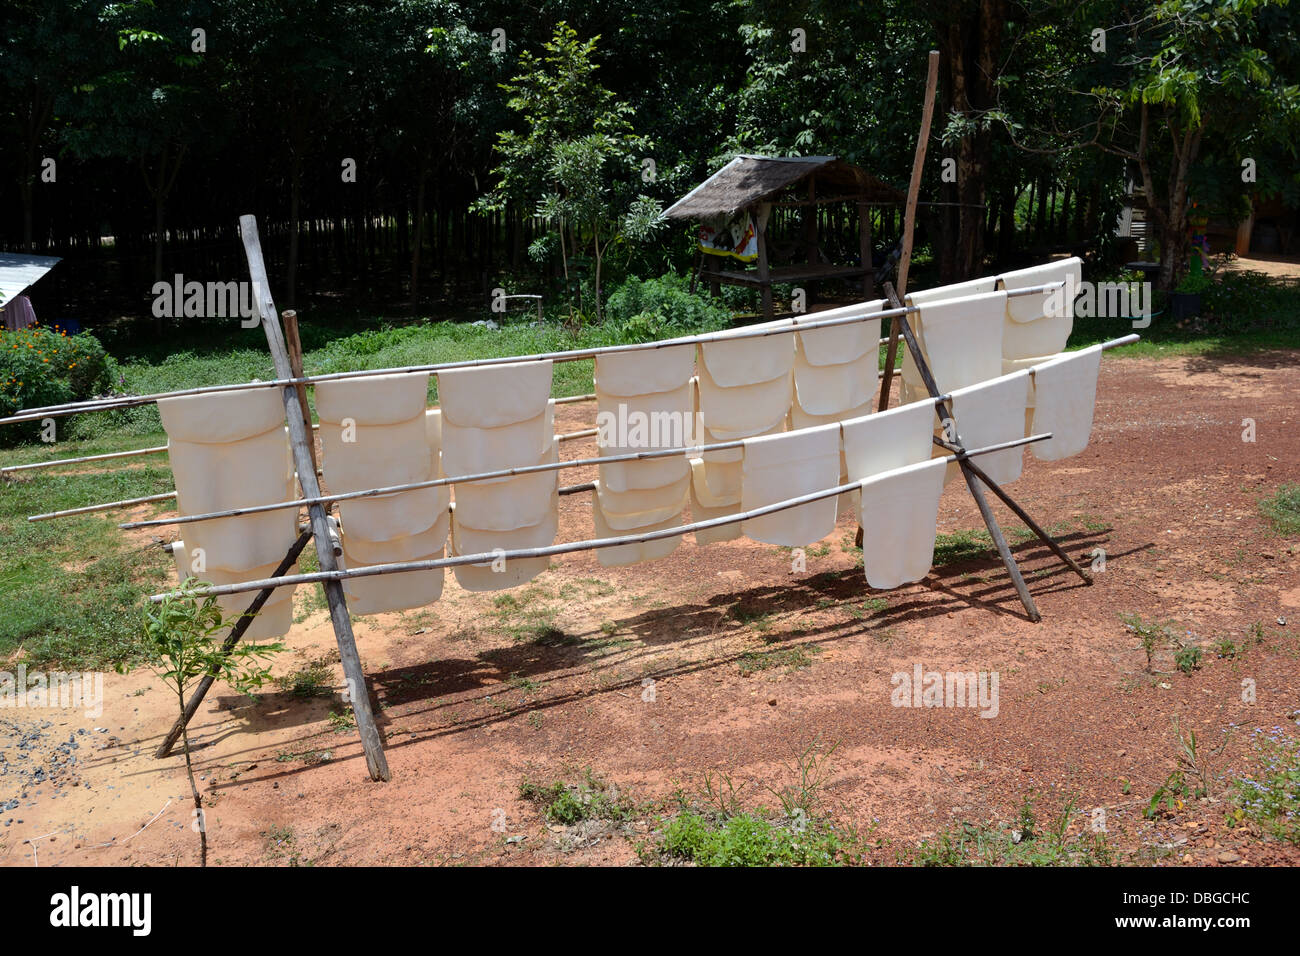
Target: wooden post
864,250
909,218
294,344
237,632
764,275
945,413
1030,523
300,438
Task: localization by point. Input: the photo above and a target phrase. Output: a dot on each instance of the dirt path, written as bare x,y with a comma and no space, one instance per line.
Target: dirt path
750,662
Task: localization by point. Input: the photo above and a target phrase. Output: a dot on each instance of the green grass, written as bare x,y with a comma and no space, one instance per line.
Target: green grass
748,839
568,803
961,546
790,658
1018,844
71,588
1283,510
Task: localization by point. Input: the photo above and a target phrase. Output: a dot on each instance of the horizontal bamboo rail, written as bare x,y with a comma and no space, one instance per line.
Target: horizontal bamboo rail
572,355
594,544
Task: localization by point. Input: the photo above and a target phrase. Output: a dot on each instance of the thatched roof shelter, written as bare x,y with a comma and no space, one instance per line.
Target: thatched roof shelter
749,187
749,180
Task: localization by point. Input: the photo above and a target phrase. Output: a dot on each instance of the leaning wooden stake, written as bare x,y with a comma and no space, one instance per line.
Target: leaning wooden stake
909,217
236,633
945,413
300,437
290,319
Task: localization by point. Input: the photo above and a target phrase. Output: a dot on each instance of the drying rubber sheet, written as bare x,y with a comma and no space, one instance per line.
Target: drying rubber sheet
276,616
360,457
834,389
507,504
471,451
1065,395
223,417
373,400
497,573
904,509
839,344
644,372
703,512
780,467
635,553
749,361
1040,324
887,440
632,510
491,396
745,410
962,339
991,413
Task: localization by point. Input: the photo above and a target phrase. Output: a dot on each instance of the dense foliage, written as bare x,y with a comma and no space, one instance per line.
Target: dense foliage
402,150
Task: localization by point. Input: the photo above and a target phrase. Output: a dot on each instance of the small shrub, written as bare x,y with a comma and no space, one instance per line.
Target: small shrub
1283,510
40,367
645,307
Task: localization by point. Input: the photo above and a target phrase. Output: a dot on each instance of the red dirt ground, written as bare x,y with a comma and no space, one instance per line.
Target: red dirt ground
470,704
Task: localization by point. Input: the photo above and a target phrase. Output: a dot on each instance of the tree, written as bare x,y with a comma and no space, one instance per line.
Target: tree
577,157
181,646
1175,88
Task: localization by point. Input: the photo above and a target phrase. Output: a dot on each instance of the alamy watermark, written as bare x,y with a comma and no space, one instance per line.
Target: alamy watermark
37,690
922,688
179,299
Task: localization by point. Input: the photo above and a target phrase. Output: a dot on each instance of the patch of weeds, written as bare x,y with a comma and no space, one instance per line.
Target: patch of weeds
1018,844
1193,777
800,834
1152,635
591,798
311,758
420,621
1226,648
1188,658
608,628
1270,796
341,721
961,546
522,682
1283,510
746,615
791,658
748,839
314,679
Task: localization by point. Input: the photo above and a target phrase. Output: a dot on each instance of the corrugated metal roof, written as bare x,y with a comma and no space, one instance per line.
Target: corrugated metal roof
19,271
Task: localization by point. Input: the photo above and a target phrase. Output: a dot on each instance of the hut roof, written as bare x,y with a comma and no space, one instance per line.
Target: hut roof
748,180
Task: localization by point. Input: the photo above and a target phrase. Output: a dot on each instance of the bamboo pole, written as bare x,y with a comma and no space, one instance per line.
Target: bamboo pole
135,453
300,438
275,506
909,216
594,544
574,355
290,320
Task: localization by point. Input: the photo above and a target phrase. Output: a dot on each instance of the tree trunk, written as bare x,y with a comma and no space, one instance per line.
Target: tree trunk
418,241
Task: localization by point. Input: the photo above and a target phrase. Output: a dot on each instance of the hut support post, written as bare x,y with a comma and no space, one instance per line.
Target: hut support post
300,437
864,250
764,275
236,632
